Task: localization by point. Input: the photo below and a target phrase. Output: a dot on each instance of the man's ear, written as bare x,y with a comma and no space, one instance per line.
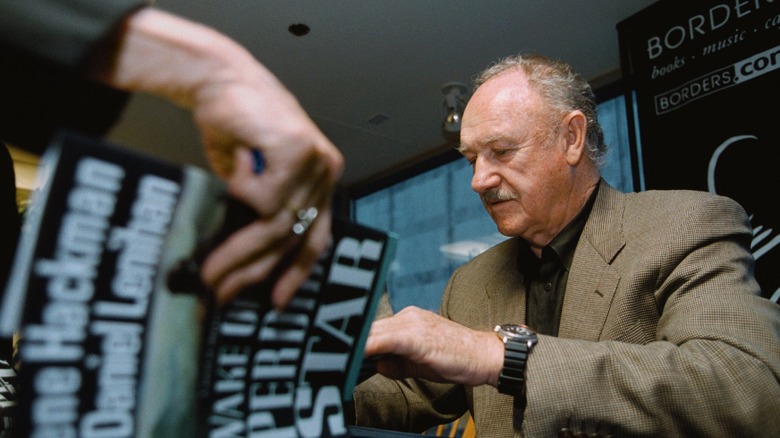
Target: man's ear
575,126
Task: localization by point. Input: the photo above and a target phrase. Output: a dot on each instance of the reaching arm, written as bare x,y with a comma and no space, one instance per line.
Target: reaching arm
237,104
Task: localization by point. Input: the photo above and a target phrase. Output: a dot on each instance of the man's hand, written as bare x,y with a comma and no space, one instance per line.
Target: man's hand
419,343
238,105
301,167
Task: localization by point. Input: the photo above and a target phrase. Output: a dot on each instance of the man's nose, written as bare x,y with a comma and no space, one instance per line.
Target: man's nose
484,176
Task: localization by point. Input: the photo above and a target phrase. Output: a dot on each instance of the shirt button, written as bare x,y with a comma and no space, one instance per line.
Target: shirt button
548,287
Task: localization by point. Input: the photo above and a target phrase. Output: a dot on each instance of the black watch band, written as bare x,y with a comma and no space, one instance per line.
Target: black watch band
518,342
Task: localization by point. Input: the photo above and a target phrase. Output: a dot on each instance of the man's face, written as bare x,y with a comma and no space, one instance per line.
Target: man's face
519,168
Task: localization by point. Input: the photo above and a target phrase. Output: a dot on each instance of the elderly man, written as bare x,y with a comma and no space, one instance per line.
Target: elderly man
605,313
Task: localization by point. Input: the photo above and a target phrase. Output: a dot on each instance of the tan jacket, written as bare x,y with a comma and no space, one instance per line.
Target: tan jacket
663,332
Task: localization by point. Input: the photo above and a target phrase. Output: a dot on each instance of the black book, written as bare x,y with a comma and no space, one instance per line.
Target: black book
118,338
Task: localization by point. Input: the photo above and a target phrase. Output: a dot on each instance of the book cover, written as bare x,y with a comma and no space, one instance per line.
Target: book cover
118,338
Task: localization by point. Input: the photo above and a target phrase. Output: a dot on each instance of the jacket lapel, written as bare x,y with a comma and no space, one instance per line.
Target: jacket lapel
505,290
593,280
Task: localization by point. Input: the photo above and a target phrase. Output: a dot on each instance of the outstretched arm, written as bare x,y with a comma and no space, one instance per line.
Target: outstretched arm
238,105
419,343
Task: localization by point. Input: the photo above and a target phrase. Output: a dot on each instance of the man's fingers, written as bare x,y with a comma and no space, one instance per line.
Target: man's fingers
248,254
315,241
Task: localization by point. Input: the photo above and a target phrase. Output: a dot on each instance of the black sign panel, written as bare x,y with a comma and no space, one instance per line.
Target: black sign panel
706,81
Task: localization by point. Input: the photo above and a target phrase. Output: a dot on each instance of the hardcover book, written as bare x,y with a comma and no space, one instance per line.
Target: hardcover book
117,337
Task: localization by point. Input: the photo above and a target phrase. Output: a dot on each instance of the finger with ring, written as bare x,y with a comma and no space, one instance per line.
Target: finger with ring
304,218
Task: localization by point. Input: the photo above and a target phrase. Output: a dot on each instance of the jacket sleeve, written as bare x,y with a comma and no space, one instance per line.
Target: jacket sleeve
43,46
408,405
61,31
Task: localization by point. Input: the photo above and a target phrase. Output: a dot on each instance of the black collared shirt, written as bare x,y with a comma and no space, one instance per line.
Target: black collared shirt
545,278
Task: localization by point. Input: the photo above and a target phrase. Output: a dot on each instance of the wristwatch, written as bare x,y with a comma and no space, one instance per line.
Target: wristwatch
518,341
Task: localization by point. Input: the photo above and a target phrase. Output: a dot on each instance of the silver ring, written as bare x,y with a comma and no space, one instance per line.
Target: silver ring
306,217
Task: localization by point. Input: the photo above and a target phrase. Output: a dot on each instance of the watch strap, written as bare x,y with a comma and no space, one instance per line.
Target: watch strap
518,342
512,377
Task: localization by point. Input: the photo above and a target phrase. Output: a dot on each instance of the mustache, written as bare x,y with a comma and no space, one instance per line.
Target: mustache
497,195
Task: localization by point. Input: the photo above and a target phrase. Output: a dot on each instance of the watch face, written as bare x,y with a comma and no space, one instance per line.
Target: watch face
515,330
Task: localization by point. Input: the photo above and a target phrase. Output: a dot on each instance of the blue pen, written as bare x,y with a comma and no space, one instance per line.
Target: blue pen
258,161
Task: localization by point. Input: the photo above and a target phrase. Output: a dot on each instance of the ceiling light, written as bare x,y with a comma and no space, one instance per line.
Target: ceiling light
454,103
298,29
378,118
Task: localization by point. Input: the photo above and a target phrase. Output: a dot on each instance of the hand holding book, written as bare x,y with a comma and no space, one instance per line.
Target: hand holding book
133,348
238,105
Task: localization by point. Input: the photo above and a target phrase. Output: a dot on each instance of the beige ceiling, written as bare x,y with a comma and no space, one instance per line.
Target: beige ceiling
364,58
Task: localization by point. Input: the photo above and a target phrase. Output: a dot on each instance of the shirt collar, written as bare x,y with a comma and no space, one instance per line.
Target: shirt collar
563,245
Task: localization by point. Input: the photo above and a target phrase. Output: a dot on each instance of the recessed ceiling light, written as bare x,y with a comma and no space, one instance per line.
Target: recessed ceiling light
378,118
299,29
